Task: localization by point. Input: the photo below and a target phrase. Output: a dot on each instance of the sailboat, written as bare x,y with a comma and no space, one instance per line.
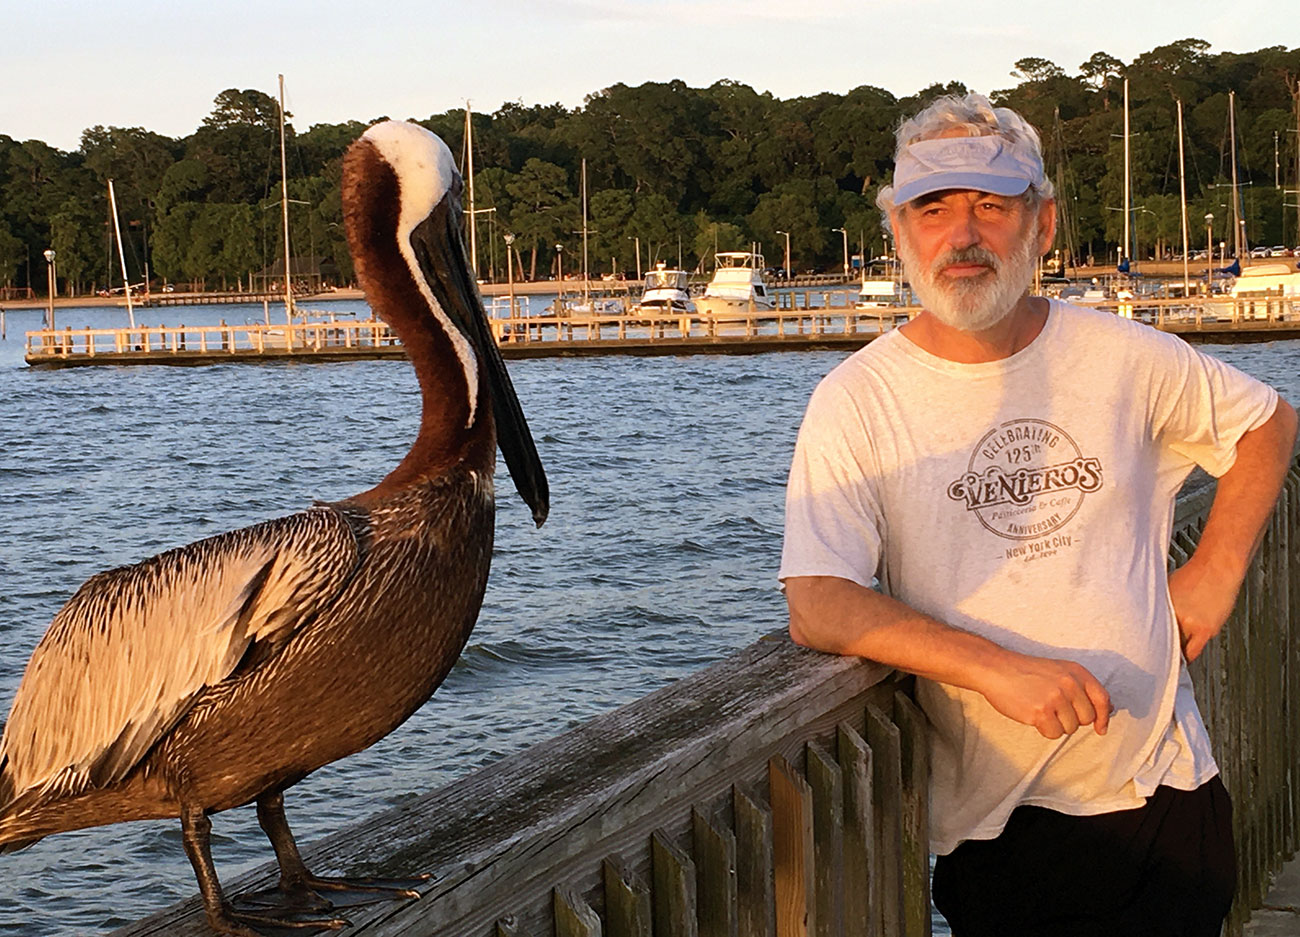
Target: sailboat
1124,256
121,255
284,212
587,306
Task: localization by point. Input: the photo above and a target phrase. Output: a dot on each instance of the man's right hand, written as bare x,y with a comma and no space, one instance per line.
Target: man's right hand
1056,697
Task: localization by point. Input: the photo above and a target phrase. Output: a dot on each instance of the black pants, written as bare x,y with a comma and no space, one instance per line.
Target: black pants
1167,869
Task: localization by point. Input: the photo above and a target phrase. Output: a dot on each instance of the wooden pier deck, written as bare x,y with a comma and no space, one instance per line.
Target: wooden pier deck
778,793
835,323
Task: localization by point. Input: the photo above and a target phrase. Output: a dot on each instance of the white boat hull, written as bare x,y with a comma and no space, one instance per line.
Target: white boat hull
718,307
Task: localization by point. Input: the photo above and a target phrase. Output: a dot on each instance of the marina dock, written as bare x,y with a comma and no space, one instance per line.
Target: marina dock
778,792
805,320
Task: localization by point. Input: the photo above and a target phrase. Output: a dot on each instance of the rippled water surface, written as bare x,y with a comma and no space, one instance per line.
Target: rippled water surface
667,480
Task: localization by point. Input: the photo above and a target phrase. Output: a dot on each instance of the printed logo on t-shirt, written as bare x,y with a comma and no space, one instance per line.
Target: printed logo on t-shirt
1026,479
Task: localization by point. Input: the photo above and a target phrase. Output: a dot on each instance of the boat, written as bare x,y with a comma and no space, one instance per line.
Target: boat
1265,291
665,293
874,294
879,297
737,289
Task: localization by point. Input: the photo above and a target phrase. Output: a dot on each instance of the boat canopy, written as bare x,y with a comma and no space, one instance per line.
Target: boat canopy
662,279
733,259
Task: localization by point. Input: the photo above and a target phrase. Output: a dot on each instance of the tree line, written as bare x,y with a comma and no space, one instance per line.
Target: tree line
674,174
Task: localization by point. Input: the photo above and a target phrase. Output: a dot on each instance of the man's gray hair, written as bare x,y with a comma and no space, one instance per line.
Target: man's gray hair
978,118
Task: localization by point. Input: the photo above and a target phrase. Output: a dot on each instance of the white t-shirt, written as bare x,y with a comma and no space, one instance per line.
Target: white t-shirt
1028,500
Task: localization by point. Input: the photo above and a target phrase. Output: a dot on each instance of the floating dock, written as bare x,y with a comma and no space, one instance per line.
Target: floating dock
627,332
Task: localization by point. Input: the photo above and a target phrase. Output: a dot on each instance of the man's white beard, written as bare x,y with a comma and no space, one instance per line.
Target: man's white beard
972,304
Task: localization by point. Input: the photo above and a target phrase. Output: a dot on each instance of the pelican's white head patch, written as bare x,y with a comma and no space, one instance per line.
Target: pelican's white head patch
426,173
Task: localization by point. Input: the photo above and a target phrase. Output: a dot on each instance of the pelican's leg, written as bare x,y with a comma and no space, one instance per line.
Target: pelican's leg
196,830
296,880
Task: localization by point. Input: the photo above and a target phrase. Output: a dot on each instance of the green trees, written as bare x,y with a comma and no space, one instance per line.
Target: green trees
710,168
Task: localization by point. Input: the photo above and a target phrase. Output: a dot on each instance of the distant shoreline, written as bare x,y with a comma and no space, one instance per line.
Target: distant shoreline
1164,269
487,289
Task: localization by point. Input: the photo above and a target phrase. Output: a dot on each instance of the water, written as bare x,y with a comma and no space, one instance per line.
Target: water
667,480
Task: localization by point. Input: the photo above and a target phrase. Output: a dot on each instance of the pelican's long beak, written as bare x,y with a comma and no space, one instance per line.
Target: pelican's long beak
441,254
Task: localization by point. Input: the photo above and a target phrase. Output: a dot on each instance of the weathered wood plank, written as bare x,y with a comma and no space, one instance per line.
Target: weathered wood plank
827,784
573,916
792,841
755,885
886,749
860,918
916,827
627,901
714,848
673,895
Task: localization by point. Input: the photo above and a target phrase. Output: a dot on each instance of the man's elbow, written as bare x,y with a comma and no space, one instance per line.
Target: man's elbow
1286,417
797,632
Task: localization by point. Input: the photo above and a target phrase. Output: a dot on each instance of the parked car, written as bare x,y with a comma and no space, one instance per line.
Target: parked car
1259,252
1279,251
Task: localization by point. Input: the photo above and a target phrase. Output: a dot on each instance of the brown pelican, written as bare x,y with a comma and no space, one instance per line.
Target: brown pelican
223,672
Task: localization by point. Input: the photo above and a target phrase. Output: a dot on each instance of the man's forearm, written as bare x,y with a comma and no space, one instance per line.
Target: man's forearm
1204,589
842,617
1246,493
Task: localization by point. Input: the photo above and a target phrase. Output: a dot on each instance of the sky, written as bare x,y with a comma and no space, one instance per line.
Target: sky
71,64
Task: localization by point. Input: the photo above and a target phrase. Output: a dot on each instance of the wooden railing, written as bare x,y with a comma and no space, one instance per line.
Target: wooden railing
355,338
835,318
1248,687
779,792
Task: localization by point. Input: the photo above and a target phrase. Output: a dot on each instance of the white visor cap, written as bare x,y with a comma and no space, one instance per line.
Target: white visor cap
985,164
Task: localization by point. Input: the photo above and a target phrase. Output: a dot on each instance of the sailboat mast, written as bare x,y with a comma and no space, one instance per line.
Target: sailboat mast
473,218
121,255
1182,197
284,212
1296,192
1232,148
1128,195
586,279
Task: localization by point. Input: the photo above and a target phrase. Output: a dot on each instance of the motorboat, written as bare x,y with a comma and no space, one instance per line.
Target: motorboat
737,289
880,298
666,293
875,294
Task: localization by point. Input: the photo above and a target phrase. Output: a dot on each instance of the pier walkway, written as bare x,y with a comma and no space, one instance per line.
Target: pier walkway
780,793
833,323
1279,915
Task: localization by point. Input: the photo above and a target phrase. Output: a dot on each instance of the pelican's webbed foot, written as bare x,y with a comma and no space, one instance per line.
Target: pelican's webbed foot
300,889
224,917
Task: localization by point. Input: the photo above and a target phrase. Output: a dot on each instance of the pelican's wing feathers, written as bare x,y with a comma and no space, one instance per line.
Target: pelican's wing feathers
133,648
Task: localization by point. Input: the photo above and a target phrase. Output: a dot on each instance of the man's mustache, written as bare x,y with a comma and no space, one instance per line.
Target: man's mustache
967,255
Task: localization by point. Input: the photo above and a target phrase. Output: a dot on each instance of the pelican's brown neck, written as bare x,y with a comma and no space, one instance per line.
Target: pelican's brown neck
455,423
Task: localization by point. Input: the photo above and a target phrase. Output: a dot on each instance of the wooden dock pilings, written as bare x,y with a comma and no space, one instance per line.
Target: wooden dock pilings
779,792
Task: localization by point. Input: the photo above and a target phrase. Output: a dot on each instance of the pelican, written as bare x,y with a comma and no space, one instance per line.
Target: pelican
221,673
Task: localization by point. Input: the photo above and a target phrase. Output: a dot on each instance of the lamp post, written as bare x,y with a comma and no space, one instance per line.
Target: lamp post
559,266
510,270
49,260
845,234
1209,251
787,252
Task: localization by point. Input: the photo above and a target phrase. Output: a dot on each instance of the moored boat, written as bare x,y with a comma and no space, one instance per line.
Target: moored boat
665,293
737,289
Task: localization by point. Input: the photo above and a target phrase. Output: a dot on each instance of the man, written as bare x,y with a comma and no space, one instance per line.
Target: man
1004,469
